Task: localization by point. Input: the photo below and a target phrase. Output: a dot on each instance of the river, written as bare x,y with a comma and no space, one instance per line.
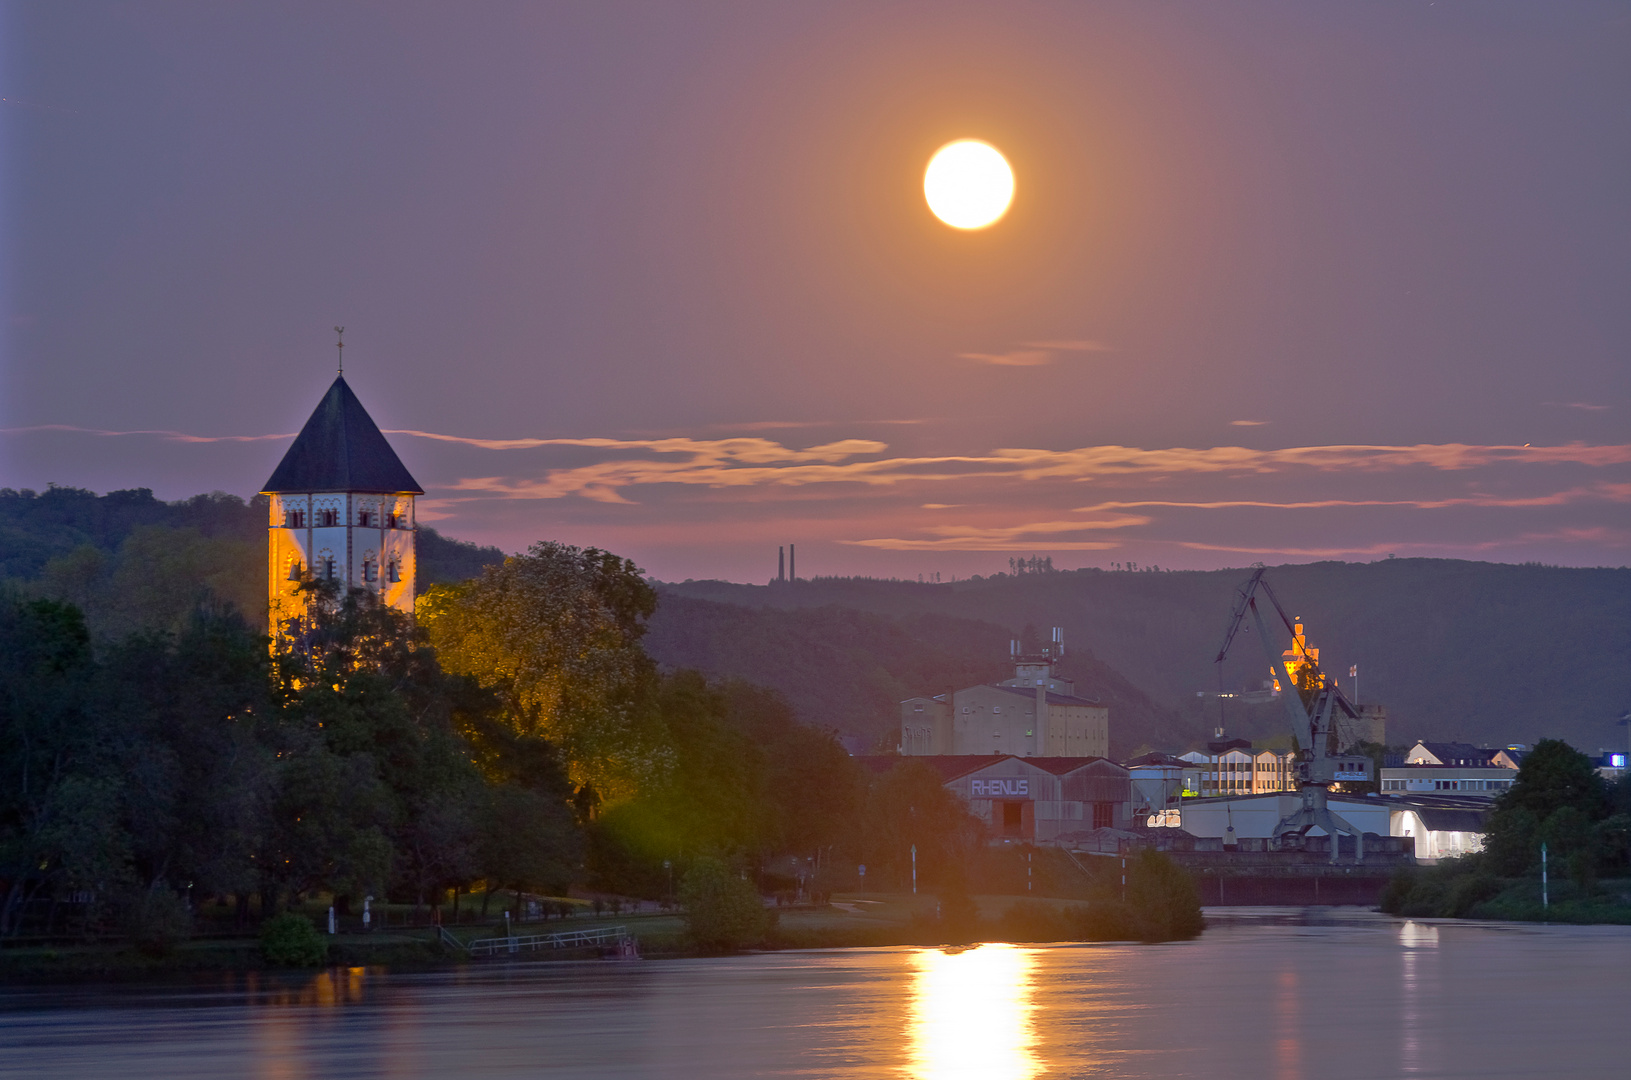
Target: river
1276,994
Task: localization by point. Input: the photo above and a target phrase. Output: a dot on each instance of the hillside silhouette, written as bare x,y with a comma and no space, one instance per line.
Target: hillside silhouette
1482,652
848,669
1488,653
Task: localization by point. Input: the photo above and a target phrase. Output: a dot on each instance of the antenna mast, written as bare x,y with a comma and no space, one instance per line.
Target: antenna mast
340,345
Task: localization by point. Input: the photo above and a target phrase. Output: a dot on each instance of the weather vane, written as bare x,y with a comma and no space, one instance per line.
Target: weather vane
340,344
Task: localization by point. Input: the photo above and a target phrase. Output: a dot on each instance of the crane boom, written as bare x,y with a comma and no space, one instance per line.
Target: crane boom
1314,719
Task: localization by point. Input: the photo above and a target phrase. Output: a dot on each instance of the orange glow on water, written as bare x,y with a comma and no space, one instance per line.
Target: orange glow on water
971,1014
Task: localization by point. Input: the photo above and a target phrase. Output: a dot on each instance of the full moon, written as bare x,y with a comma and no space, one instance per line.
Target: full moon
968,184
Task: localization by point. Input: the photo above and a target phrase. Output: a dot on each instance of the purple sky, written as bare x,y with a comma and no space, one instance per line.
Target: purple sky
1281,282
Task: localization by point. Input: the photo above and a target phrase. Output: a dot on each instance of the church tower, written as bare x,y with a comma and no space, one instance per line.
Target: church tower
341,511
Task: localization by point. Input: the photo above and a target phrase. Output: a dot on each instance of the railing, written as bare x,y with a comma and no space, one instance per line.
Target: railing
513,943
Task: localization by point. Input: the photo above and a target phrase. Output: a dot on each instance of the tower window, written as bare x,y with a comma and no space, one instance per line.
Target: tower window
328,564
392,573
368,570
294,519
365,518
393,520
328,518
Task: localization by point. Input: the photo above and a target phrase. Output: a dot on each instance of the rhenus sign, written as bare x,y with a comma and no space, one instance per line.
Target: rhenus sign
1000,788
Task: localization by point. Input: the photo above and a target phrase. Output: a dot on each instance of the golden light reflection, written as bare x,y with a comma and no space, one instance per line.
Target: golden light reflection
971,1014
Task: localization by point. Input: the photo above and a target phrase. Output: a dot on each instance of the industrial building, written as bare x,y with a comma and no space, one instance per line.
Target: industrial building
1039,800
1439,827
1034,714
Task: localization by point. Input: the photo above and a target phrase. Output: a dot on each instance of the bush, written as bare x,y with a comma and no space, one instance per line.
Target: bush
157,921
1162,900
290,940
1399,888
723,912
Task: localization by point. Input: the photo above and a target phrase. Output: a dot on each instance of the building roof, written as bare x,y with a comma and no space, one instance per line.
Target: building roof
1053,699
341,449
1457,753
1156,758
1059,766
951,766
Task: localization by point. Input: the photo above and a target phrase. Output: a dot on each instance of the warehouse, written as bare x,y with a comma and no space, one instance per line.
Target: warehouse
1041,800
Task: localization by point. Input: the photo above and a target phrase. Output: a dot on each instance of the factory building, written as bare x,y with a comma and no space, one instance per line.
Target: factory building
1034,714
1438,827
1036,800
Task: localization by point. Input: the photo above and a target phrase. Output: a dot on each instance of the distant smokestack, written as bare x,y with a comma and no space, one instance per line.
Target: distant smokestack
781,564
792,566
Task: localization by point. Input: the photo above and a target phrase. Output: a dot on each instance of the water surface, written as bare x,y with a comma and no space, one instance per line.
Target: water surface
1265,993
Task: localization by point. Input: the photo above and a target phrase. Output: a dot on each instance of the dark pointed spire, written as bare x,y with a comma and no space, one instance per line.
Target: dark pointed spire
341,449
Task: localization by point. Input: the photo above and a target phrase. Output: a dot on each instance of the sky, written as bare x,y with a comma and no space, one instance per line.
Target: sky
1281,282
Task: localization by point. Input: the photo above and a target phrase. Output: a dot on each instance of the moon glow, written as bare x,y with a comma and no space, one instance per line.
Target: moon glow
968,184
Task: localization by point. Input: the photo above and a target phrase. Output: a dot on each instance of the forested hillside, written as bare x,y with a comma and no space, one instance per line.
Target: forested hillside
848,669
1484,652
129,560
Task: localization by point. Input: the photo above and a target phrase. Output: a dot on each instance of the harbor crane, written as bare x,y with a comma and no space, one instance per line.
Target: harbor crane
1313,720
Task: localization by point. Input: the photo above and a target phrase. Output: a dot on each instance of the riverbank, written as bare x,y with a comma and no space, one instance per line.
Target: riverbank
851,920
1455,891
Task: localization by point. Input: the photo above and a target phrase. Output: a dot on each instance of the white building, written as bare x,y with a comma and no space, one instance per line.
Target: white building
342,510
1484,783
1440,828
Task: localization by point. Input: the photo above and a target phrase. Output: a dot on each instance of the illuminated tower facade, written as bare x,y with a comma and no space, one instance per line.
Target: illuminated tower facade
342,510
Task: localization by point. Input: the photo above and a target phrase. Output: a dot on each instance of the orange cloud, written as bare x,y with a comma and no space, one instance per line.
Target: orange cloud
1035,353
1600,492
742,462
1036,534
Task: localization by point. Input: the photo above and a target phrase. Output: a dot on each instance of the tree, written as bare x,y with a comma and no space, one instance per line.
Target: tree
556,632
60,786
1554,775
1162,900
723,911
909,807
1557,799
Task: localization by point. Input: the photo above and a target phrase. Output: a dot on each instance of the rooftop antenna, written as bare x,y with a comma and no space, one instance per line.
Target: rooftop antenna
340,345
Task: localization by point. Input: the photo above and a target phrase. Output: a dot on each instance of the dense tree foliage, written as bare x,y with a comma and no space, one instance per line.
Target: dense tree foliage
1560,801
192,762
556,633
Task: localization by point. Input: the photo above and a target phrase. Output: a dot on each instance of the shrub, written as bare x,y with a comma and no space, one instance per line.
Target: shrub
157,921
1162,899
723,912
290,940
1398,890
